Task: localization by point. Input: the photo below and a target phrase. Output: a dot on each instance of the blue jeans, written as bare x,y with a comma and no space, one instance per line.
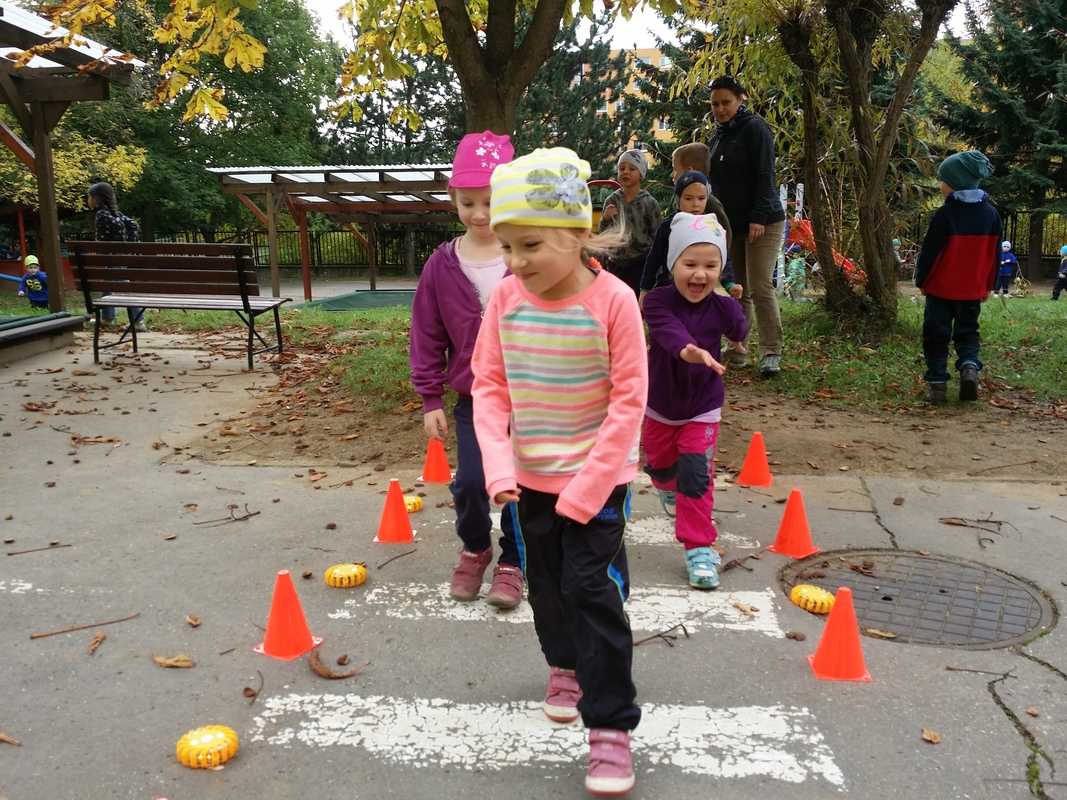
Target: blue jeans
108,313
473,523
950,320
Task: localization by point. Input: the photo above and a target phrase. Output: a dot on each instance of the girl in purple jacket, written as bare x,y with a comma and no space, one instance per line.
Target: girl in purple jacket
455,286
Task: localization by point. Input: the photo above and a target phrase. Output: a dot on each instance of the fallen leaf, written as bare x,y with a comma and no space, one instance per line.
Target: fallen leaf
50,484
342,660
331,526
169,537
933,737
174,662
315,662
898,501
1033,712
307,575
191,507
745,608
796,636
192,620
879,634
98,639
250,693
813,465
276,500
9,740
924,552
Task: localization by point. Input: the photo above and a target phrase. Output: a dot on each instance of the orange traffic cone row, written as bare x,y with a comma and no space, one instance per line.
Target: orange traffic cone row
287,634
435,468
794,535
394,526
839,656
755,471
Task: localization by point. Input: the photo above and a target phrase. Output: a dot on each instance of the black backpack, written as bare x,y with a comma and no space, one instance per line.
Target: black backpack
131,229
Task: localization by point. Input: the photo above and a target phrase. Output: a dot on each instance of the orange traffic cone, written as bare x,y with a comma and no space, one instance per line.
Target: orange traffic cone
839,656
755,471
435,468
794,535
394,527
287,634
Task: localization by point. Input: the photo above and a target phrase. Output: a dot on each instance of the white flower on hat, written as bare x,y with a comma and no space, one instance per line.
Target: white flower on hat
565,189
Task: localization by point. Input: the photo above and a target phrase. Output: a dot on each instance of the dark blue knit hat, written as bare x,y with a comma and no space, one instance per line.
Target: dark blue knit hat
688,178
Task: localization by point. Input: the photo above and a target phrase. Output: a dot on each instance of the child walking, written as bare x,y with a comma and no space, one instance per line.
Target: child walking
638,214
559,392
456,283
686,323
1061,274
34,284
1009,265
957,265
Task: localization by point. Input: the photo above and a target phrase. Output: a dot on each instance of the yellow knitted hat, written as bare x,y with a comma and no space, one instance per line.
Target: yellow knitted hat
543,189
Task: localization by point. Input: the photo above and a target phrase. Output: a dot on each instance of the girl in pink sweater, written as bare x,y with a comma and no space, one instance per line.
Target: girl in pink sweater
560,382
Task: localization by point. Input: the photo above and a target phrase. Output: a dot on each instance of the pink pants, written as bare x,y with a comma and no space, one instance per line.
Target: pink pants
680,460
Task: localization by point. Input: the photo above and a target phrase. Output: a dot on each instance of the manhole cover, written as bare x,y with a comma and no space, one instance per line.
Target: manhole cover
929,599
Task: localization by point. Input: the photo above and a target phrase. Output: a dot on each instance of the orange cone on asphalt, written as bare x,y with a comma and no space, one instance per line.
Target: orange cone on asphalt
839,656
794,535
394,526
755,471
287,635
435,468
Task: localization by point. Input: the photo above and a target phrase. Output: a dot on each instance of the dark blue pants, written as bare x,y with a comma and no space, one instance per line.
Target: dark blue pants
578,579
945,321
1003,284
1061,284
473,523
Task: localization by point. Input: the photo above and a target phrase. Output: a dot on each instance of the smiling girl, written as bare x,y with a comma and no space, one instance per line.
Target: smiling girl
686,323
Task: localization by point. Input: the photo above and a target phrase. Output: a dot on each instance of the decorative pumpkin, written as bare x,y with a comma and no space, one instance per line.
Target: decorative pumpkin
345,576
413,503
209,746
812,598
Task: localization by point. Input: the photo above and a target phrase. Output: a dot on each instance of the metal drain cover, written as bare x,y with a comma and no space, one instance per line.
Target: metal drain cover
930,599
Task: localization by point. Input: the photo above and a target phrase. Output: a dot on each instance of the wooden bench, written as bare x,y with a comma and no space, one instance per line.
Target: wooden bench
191,277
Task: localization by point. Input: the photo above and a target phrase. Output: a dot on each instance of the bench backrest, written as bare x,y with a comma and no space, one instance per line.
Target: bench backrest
164,268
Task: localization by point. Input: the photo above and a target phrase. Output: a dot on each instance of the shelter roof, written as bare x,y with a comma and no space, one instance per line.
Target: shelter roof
348,191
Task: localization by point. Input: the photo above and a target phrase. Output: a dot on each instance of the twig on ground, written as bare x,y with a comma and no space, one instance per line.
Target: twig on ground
1003,466
38,549
852,510
73,628
228,489
667,636
216,523
394,558
976,671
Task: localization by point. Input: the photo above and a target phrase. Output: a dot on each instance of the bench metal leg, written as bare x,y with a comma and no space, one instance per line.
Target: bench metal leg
96,337
278,328
251,333
133,330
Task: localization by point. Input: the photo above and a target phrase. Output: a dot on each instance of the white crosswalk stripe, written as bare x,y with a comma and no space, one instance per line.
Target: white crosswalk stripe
778,742
651,608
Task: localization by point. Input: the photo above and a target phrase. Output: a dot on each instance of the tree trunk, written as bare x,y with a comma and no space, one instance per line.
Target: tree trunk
491,107
1036,235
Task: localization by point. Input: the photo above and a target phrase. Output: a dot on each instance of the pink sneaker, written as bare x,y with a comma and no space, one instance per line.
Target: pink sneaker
467,576
506,591
562,695
611,768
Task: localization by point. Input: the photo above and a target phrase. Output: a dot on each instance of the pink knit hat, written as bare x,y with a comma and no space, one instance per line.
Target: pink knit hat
477,157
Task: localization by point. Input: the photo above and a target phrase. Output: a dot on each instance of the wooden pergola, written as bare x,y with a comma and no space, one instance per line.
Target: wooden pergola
38,94
367,195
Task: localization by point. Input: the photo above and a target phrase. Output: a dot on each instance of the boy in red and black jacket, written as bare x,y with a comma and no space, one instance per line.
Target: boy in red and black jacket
956,271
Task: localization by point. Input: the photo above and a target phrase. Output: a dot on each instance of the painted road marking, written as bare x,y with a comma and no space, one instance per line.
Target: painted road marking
16,586
660,530
651,608
779,742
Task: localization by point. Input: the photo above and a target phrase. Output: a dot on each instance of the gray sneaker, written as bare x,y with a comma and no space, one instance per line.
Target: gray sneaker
936,394
770,365
735,358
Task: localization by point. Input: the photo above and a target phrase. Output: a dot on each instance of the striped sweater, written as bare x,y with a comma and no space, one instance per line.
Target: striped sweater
559,392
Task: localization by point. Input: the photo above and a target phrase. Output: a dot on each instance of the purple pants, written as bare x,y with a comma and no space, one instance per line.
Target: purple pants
680,459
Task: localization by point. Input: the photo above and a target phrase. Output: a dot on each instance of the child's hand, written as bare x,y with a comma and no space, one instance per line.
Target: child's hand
503,498
609,213
696,355
22,294
736,291
436,423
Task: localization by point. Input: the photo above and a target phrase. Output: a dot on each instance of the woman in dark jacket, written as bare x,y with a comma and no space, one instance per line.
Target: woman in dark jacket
111,225
742,177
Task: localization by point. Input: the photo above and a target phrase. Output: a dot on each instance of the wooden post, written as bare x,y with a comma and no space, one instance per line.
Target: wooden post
48,232
409,252
272,244
22,232
372,254
305,250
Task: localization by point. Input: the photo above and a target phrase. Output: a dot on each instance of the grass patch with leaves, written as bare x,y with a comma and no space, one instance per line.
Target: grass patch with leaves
1024,347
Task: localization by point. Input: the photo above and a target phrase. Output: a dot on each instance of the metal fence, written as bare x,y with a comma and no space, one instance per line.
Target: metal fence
399,249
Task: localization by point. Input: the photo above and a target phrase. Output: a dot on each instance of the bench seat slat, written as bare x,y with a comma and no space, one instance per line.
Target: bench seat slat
153,287
187,262
188,302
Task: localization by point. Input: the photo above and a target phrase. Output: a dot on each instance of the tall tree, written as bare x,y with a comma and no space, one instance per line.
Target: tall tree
1015,62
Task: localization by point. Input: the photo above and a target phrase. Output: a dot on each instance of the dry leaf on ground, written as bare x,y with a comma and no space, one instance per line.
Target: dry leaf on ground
320,669
98,639
745,608
1033,712
933,737
9,739
192,620
174,662
879,634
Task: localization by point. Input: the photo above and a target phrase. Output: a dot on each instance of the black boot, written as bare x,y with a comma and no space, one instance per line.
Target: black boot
936,394
968,383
